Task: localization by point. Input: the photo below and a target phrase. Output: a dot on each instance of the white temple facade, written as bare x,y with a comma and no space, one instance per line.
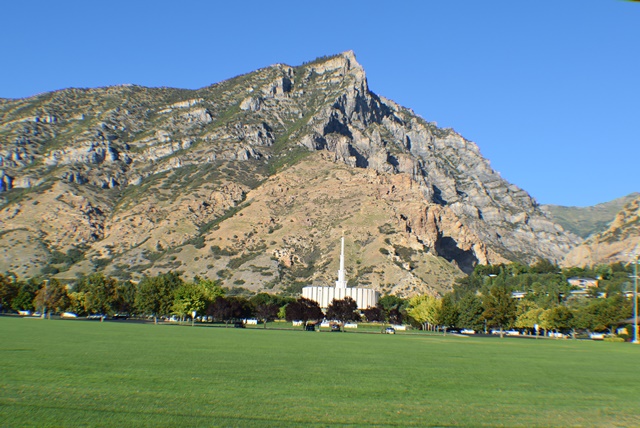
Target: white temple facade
364,297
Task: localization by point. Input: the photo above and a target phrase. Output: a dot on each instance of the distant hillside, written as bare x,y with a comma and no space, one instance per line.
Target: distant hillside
585,221
615,244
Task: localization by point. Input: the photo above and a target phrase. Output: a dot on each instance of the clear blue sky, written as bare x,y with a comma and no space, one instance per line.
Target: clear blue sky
549,90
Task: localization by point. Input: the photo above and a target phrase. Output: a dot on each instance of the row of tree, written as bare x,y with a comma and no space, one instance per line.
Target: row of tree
480,301
484,300
163,295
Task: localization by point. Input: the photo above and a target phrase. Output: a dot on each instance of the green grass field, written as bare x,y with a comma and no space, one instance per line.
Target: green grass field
78,373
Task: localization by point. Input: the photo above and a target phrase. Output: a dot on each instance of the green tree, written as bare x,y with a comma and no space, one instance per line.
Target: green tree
189,298
499,308
125,298
528,315
155,295
471,312
449,312
9,289
424,310
23,301
77,302
559,318
100,293
394,308
211,289
52,297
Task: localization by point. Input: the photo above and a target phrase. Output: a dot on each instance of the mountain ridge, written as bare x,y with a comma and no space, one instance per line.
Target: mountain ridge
129,174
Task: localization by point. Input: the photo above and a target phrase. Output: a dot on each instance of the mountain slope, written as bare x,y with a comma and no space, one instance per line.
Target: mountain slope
616,244
139,180
585,221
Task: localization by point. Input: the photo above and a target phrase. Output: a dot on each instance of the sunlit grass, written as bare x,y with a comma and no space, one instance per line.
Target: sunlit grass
78,373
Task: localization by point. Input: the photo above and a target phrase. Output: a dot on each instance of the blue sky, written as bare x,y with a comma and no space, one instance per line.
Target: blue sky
549,90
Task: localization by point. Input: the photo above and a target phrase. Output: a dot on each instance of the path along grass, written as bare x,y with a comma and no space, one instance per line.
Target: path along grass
78,373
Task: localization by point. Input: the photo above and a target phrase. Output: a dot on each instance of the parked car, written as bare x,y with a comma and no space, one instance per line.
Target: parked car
97,317
336,327
239,325
310,327
68,315
389,330
468,331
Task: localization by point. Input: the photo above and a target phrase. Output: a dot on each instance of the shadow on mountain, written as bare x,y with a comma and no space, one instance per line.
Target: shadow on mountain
447,248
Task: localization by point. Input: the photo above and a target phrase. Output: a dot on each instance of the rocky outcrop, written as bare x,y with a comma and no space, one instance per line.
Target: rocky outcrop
619,243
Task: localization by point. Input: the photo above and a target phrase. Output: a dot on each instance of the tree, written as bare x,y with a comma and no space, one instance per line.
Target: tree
51,297
155,295
471,312
558,318
373,314
528,315
606,313
227,309
125,298
266,312
9,289
544,266
343,310
221,309
449,312
499,308
77,302
211,289
100,293
188,298
424,310
267,306
303,310
23,301
394,308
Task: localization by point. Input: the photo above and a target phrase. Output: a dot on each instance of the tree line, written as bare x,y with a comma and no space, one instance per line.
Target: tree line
480,301
484,300
161,296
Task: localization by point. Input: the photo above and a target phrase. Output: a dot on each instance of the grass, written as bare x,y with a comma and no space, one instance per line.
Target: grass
78,373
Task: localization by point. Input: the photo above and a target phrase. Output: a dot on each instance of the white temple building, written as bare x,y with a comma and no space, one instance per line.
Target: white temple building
364,297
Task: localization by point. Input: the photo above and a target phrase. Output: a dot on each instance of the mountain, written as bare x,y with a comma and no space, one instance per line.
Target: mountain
585,221
253,180
615,244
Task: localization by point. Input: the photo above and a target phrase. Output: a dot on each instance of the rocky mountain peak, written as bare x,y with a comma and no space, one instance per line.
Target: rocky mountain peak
212,182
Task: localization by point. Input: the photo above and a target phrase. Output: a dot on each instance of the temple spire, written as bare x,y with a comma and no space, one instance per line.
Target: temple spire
341,282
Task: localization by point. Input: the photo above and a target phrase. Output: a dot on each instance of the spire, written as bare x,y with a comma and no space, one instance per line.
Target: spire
341,282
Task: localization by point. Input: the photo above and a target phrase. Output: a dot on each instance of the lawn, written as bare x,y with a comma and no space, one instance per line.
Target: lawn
80,373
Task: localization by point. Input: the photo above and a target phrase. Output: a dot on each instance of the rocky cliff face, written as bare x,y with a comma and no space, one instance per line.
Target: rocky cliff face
616,244
132,179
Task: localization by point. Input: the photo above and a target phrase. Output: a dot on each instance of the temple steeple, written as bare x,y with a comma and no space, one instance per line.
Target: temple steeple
341,282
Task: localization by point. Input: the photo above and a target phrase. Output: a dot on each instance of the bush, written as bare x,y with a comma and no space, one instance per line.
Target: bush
613,339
